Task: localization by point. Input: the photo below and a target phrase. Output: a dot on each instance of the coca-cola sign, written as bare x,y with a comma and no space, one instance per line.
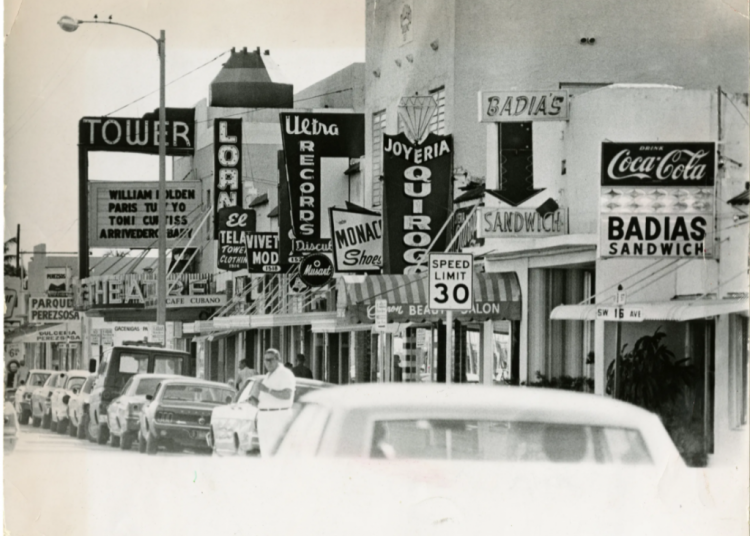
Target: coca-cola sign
658,164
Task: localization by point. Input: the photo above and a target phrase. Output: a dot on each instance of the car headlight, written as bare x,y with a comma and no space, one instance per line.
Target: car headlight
164,416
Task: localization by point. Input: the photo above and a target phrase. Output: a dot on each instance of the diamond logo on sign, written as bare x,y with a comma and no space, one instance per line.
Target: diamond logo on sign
451,281
416,113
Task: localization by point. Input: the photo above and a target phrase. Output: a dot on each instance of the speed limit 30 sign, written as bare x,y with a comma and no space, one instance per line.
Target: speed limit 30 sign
451,281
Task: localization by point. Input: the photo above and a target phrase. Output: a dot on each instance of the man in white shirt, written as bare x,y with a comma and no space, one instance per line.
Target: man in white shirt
274,401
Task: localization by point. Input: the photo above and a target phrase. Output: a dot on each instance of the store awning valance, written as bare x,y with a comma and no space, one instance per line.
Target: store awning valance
674,310
497,296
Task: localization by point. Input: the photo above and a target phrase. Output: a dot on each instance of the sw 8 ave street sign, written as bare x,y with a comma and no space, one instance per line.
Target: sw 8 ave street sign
451,281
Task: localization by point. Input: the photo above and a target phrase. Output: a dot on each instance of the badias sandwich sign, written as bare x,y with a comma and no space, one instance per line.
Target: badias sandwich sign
657,199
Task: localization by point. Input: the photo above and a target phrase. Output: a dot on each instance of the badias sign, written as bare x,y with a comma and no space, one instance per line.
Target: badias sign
657,235
140,135
658,164
416,199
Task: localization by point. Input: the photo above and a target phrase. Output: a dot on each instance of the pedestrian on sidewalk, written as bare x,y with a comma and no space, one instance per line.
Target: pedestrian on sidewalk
300,370
274,401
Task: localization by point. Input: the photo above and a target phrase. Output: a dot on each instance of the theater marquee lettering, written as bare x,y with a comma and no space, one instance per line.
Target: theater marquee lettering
126,214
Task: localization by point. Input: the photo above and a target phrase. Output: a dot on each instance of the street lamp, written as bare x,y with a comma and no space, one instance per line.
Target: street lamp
69,24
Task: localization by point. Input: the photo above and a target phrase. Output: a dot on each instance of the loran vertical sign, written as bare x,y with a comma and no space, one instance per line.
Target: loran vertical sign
657,199
416,193
307,138
227,168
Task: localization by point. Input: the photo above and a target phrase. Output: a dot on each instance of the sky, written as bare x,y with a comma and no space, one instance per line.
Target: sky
53,78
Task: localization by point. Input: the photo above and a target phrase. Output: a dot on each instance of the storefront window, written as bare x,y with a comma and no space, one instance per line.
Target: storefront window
738,371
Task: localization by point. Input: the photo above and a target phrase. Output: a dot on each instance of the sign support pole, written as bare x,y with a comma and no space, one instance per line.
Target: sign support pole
448,345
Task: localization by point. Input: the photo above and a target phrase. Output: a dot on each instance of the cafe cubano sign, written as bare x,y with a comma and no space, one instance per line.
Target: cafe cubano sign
518,106
140,135
126,214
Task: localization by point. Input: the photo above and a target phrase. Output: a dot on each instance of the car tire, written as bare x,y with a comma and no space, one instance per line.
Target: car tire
152,444
23,418
90,427
141,443
114,441
46,420
72,429
36,422
126,440
237,449
102,434
52,425
62,426
82,432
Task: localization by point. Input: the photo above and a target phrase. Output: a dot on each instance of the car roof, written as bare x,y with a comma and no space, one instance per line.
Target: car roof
300,381
138,377
526,402
150,348
195,381
78,372
41,371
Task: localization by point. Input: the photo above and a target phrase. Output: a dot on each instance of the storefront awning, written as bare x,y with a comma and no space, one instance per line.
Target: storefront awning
675,310
497,296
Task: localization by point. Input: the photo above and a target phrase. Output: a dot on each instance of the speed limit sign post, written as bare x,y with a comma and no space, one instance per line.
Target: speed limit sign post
451,281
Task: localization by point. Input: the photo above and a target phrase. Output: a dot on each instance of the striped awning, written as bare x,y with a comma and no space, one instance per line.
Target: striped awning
497,296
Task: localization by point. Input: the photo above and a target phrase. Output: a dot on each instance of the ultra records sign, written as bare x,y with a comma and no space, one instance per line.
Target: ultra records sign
316,270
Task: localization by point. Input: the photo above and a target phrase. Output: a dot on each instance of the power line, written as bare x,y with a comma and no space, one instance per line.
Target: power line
168,84
324,94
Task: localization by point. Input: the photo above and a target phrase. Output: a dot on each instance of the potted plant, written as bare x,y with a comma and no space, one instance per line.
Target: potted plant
654,379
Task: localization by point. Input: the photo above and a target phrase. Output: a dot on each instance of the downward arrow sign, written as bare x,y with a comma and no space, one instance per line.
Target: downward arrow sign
516,164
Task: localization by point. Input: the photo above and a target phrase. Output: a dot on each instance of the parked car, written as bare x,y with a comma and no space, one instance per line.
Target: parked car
233,426
460,422
179,414
124,411
10,427
431,458
78,405
41,408
22,403
74,380
118,365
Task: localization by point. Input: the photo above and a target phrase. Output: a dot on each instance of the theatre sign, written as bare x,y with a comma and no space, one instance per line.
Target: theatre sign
657,199
138,291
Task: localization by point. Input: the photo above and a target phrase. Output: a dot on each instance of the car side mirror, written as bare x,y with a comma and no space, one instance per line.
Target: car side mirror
22,382
149,397
65,399
76,390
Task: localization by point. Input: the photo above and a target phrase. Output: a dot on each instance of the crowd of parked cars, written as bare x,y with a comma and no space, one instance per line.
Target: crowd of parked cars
520,442
139,396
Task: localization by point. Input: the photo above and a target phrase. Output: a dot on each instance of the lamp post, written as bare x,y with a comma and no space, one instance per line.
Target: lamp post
70,24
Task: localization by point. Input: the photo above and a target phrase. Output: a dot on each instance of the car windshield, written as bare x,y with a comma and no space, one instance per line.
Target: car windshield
38,378
88,385
75,382
168,365
208,394
244,395
147,386
507,441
